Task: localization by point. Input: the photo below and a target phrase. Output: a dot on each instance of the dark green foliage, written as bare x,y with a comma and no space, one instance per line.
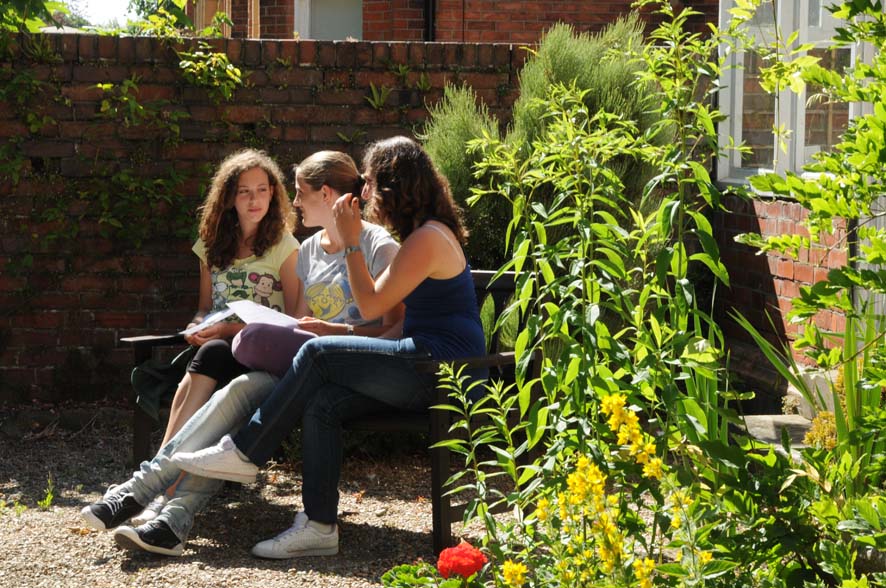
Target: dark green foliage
599,64
452,123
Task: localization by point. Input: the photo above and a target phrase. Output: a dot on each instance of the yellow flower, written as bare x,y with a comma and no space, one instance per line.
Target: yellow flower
612,403
514,574
676,520
541,509
643,569
704,557
653,469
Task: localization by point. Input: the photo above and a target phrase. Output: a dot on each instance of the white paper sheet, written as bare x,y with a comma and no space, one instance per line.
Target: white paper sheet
250,312
209,320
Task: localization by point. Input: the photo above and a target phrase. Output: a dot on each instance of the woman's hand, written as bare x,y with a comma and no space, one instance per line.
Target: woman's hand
225,330
346,212
320,327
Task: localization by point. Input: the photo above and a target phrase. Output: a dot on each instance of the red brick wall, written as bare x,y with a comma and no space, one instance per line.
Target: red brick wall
510,21
277,19
766,283
62,317
240,17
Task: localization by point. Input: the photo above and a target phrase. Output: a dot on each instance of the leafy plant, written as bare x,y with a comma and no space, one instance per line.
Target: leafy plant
45,503
423,83
213,71
29,15
378,95
401,71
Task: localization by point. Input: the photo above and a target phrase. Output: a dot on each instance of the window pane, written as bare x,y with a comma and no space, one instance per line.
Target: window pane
764,16
758,117
814,13
825,121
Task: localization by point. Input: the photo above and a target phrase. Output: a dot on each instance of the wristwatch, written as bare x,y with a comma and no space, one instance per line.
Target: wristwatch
351,249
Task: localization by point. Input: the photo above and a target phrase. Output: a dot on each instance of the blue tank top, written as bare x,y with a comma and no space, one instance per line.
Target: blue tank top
442,316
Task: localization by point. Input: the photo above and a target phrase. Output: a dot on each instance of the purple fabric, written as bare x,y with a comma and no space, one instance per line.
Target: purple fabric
268,348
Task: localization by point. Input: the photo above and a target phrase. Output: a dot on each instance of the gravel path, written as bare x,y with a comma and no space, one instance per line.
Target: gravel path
385,517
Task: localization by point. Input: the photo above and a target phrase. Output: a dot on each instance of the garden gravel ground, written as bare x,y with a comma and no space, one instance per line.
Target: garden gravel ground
385,515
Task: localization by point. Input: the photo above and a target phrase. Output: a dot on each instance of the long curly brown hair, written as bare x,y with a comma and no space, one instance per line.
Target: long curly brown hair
330,168
409,190
219,226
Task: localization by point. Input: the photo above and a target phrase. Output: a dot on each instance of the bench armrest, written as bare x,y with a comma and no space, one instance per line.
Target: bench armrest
143,345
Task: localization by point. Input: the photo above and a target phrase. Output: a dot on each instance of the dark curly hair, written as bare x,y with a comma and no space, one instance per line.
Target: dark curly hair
219,226
409,190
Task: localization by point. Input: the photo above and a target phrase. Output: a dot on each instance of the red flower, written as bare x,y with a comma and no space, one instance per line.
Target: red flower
464,559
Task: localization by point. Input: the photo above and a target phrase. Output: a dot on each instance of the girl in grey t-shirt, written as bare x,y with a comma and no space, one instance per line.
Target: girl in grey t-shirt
325,303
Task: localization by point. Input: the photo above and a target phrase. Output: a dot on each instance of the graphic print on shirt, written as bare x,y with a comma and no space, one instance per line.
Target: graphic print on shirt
265,286
325,299
237,278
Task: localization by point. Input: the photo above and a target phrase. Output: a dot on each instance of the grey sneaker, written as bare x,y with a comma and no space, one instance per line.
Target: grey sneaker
151,511
154,536
304,538
222,461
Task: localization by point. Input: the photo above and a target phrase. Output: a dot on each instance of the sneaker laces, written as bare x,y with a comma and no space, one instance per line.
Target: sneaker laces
114,502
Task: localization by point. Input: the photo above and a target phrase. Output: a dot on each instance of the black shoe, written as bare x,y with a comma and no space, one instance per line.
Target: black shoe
154,536
111,511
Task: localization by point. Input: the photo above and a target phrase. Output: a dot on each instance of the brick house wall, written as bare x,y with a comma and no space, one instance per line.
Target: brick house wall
512,21
471,21
763,285
64,305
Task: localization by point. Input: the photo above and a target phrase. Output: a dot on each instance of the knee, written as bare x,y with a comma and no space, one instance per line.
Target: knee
211,356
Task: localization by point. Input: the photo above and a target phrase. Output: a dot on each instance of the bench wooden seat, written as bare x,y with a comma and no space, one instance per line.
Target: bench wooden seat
435,423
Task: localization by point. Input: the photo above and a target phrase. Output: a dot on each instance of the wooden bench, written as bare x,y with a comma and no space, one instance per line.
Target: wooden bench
500,360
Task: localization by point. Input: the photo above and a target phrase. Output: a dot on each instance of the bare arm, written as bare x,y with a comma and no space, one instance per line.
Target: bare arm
422,255
292,290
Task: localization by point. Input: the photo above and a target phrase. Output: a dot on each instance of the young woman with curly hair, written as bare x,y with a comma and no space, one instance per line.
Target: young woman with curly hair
246,251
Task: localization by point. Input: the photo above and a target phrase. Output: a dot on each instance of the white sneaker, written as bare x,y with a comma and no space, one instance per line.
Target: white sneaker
154,508
304,538
222,461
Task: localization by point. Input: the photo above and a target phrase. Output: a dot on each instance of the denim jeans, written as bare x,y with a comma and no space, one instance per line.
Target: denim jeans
331,380
225,412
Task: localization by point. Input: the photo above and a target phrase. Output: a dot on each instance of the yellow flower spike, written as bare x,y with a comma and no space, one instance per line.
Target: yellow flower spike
514,574
676,521
654,469
541,509
612,403
624,435
631,419
704,557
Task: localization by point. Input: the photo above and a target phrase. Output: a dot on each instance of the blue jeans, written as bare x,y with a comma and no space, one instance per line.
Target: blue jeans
333,379
225,412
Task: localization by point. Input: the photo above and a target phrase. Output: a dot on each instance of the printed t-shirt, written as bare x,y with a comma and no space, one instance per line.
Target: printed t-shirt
251,278
325,275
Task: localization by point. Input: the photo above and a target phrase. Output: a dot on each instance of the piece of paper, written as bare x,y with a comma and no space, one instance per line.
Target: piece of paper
209,320
250,312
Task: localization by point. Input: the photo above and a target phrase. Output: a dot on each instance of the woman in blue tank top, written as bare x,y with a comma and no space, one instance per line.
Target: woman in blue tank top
334,379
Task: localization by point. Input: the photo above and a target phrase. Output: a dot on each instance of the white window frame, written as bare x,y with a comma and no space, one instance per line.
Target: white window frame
302,24
792,15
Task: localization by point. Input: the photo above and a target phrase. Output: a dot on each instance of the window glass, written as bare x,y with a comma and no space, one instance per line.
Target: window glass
757,117
825,121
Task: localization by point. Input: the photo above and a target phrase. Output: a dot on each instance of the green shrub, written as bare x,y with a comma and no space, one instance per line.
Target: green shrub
599,66
602,65
453,122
